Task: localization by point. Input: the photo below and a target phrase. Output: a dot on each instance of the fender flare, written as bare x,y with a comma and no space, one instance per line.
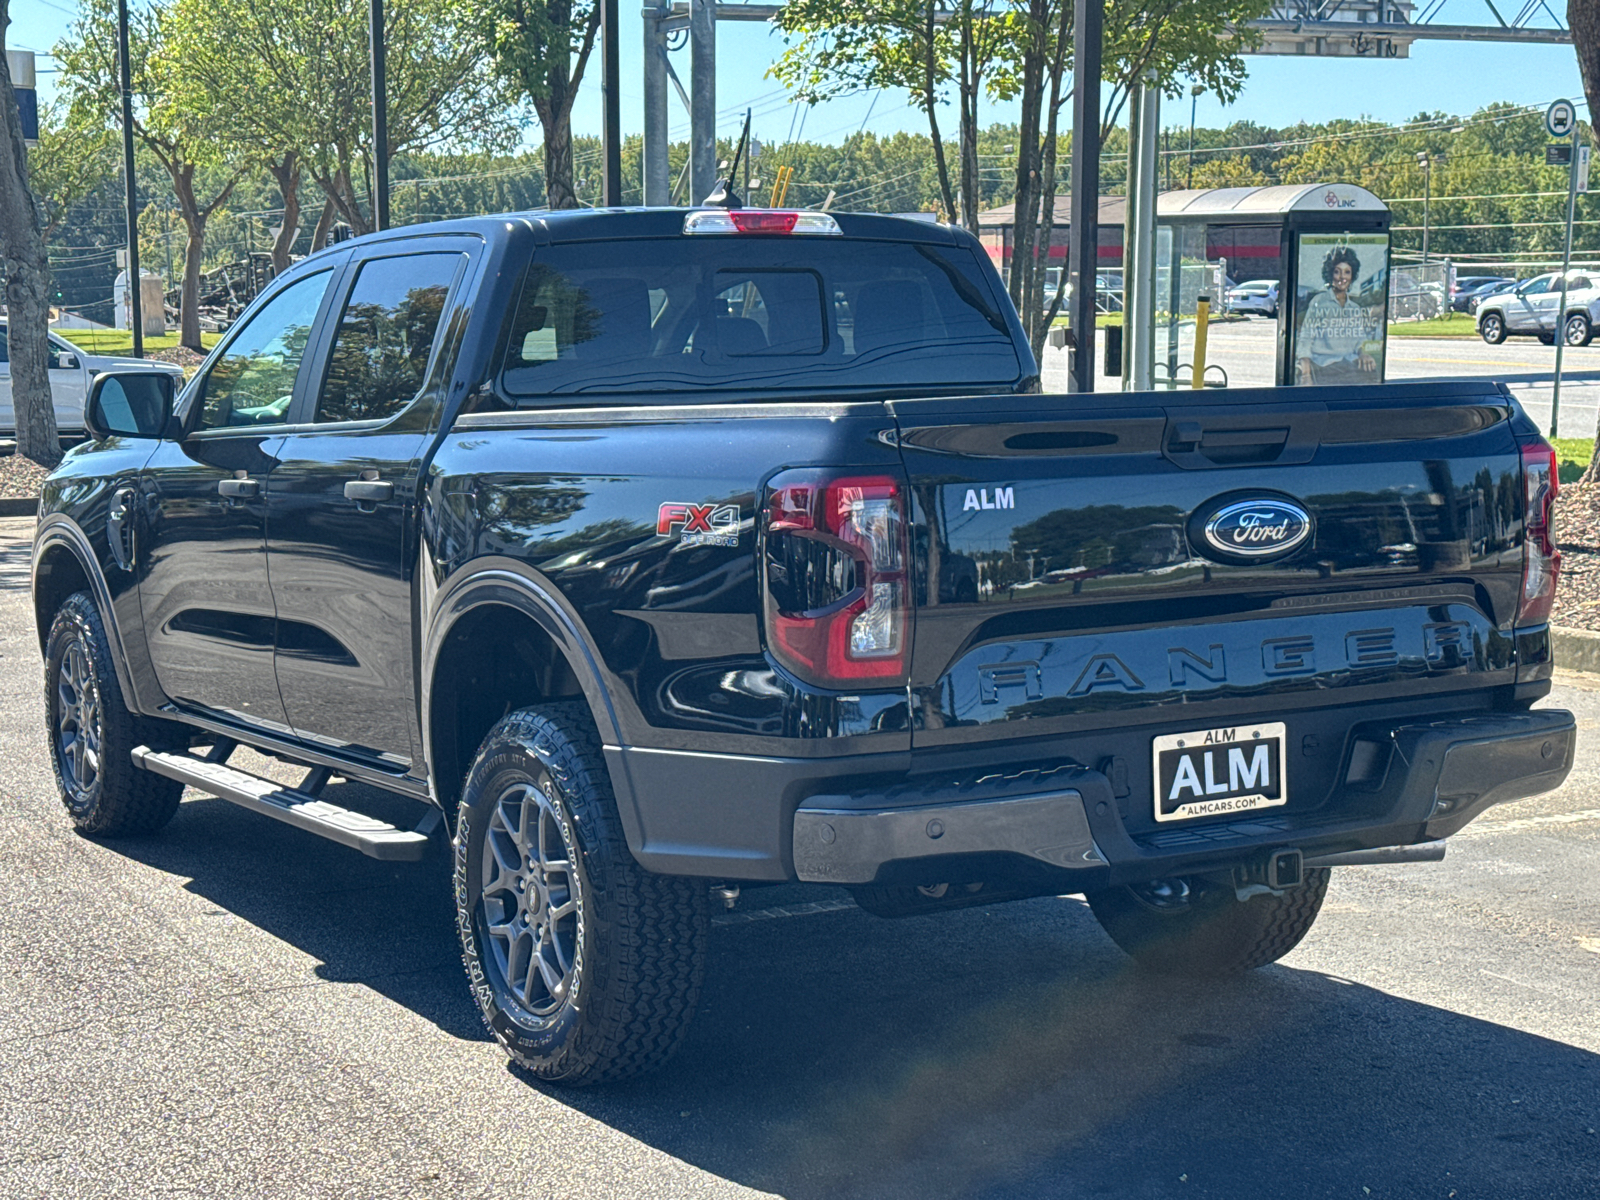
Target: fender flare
507,582
58,529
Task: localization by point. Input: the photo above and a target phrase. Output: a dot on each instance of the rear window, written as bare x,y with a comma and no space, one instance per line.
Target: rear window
736,314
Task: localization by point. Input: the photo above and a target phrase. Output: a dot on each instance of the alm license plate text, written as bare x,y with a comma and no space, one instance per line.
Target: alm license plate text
1211,772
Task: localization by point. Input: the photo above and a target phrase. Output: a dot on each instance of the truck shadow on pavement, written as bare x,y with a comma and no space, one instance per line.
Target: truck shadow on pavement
994,1052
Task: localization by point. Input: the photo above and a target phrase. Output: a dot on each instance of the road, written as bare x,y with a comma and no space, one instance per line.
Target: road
1247,352
234,1008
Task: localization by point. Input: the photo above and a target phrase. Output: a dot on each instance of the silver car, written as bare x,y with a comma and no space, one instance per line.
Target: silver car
71,372
1255,295
1534,308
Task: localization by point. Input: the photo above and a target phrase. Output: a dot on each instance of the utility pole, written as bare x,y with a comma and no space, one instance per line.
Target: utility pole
657,171
611,99
380,116
125,70
702,99
1083,245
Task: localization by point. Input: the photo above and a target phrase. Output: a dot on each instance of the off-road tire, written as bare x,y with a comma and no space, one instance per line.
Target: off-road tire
1215,933
636,943
120,798
1492,328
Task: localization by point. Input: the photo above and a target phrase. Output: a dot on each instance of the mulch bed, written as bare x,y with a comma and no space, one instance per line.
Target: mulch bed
20,478
182,355
1578,538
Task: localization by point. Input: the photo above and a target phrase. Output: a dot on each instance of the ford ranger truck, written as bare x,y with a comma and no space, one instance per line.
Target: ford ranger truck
656,553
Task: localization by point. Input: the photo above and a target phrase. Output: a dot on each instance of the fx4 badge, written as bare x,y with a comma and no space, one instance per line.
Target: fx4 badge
701,524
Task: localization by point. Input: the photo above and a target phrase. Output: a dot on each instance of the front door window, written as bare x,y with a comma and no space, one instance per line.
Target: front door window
252,383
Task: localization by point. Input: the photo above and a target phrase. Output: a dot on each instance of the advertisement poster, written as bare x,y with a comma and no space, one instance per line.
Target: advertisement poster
1341,308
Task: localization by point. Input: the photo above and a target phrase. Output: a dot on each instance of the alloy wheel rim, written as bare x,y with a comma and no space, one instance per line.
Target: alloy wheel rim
79,719
532,900
1575,332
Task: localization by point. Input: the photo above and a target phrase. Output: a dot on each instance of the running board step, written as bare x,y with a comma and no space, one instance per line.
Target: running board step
374,838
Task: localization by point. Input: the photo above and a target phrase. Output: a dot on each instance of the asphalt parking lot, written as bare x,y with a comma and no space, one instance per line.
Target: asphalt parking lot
237,1009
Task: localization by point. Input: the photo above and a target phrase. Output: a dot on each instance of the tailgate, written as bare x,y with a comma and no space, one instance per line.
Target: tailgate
1365,545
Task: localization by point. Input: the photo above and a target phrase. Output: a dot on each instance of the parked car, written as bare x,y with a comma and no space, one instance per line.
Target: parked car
1468,286
1255,296
635,610
1414,299
1107,290
1534,309
1481,294
71,371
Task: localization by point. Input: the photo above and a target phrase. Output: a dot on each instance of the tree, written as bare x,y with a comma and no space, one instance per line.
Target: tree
291,83
1155,40
184,138
73,158
27,283
843,47
535,42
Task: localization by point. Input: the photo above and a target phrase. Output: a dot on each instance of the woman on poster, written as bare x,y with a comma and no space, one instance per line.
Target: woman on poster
1333,342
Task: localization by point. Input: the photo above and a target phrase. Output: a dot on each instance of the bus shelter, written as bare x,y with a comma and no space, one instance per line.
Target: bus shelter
1326,246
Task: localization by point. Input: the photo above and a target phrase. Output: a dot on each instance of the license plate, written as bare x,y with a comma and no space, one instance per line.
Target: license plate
1212,772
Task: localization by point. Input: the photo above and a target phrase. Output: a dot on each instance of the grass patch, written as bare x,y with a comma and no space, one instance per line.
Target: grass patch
1454,325
120,341
1572,457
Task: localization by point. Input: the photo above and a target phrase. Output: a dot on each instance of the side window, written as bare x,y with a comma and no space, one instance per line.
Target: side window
5,352
1537,287
385,336
253,382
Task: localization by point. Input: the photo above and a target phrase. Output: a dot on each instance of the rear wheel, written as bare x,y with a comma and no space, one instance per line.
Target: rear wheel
1492,328
1197,925
93,734
586,967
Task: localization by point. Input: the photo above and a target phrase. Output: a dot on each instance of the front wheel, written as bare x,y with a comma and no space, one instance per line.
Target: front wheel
587,968
1577,329
1197,925
1492,328
93,733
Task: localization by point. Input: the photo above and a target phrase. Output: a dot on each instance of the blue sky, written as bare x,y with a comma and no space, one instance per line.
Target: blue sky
1454,77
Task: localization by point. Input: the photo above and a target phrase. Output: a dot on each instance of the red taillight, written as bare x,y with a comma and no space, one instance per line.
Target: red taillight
1541,561
835,567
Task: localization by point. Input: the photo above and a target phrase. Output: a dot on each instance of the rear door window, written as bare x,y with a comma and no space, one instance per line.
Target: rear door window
385,335
697,314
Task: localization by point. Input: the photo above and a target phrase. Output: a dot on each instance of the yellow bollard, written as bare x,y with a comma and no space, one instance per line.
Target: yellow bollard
1201,322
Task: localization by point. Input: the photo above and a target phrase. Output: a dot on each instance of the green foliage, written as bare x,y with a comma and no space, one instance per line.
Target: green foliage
75,155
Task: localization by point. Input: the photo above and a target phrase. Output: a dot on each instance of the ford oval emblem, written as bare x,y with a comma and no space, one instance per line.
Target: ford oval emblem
1254,528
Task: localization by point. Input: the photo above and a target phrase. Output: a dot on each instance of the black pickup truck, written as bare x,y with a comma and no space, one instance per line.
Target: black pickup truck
660,553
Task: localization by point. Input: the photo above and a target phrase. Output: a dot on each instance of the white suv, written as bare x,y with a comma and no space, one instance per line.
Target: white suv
71,373
1532,308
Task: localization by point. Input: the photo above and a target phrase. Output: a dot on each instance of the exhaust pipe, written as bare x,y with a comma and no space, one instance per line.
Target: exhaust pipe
1423,852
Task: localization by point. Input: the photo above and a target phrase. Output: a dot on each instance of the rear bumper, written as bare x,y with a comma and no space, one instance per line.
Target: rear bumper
1401,786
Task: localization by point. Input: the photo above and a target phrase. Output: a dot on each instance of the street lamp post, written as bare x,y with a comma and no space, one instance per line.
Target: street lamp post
1194,100
1426,164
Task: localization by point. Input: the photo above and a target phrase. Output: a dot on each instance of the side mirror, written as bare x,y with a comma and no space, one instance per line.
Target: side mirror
64,360
129,404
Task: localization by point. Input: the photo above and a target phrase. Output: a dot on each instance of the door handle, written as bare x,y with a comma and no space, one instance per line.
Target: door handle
237,489
368,491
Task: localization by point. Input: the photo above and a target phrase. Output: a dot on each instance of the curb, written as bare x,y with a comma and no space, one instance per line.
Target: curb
1575,649
19,507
